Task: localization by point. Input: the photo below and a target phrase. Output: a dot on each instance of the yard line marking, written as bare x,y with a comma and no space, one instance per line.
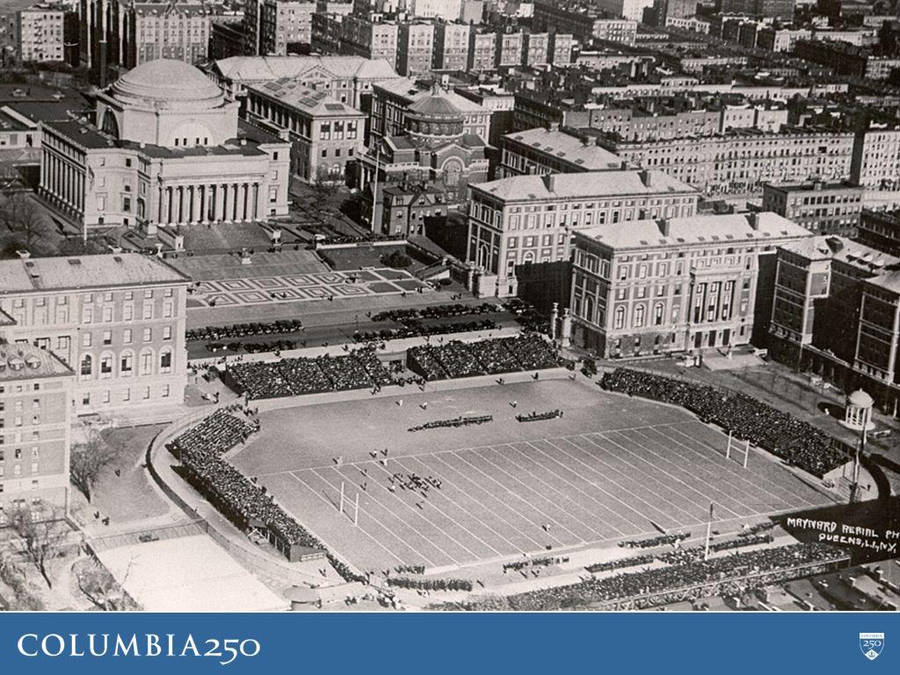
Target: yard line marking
563,495
530,506
700,505
431,501
663,488
707,476
384,526
560,477
374,539
472,515
493,498
735,472
642,516
725,473
417,512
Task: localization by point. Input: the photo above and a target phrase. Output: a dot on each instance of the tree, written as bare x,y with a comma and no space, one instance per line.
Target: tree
88,460
101,588
20,214
398,260
40,539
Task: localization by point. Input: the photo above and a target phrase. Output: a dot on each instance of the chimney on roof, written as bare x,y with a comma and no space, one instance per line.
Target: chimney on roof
753,220
663,224
550,182
552,126
646,177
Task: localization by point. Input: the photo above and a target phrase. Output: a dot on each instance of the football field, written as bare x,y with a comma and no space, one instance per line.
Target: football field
613,467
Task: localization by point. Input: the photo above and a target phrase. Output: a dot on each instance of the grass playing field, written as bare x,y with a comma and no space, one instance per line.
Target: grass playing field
613,467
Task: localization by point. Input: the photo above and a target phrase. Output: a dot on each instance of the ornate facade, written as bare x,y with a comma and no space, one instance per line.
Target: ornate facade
167,150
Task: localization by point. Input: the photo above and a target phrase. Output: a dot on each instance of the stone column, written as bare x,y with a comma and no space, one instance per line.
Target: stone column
234,202
224,188
203,190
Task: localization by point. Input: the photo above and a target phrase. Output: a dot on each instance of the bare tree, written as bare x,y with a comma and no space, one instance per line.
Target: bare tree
21,215
100,587
39,540
88,460
12,575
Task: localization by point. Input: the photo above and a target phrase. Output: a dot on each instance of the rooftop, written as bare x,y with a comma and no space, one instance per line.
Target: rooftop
314,101
812,186
408,89
831,247
22,361
259,68
706,230
584,185
84,272
585,154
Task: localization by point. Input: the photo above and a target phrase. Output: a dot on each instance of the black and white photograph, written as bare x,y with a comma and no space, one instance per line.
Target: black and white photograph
460,306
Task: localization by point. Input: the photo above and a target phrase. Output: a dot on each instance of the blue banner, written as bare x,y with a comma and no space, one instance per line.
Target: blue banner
658,642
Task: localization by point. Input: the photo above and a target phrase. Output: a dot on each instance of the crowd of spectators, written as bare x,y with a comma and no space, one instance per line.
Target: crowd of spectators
546,561
359,369
251,347
659,540
796,442
412,329
493,356
431,584
647,588
241,500
461,421
536,416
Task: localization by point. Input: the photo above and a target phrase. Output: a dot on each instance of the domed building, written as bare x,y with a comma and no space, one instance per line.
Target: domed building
425,157
166,149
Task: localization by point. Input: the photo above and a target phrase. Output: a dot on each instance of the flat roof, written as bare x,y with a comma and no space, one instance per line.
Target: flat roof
727,229
584,185
568,147
832,247
84,272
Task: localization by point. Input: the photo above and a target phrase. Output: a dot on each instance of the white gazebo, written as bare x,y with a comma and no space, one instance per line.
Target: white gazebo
858,413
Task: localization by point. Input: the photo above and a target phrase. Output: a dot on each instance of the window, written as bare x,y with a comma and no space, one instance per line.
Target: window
639,316
658,314
107,337
148,334
167,333
127,312
165,361
106,366
126,364
167,310
148,311
619,317
146,362
85,339
87,365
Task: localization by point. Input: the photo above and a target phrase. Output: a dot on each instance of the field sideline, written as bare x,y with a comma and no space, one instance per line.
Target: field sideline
612,468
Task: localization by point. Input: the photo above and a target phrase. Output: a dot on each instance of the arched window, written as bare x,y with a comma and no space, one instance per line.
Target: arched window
165,360
619,317
528,258
639,316
658,314
87,366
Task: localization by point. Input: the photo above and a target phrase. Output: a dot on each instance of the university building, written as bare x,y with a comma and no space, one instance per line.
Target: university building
523,221
675,284
167,151
551,150
117,322
35,421
823,208
836,312
326,136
